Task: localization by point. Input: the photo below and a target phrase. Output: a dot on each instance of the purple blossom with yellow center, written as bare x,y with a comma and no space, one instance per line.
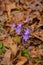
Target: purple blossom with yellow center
18,29
26,34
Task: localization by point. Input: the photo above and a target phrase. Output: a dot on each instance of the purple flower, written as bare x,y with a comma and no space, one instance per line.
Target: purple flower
18,29
13,25
25,37
27,31
19,25
26,34
26,21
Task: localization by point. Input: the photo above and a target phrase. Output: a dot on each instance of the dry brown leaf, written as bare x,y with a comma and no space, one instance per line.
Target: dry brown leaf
7,56
40,23
14,48
8,9
21,60
36,35
41,52
35,53
31,63
7,40
18,17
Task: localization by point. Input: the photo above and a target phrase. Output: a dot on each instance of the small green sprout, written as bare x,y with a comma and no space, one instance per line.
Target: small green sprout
36,60
1,44
1,52
25,53
2,48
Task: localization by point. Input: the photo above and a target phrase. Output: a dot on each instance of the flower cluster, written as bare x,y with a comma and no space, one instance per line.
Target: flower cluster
26,33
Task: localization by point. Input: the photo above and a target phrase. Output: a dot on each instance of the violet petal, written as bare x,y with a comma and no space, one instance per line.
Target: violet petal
25,37
27,31
13,25
19,25
26,21
18,29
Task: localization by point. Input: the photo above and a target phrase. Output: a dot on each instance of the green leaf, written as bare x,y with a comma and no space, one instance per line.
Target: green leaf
1,52
1,44
25,53
3,49
36,60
